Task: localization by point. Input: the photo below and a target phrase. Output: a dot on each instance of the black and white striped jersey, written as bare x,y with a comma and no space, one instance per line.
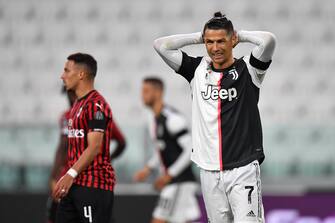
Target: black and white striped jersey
226,125
173,144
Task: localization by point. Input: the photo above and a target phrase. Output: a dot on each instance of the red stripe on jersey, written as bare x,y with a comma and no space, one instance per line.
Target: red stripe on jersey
219,124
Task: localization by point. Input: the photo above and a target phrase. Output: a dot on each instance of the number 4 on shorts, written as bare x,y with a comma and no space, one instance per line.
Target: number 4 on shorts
251,189
88,213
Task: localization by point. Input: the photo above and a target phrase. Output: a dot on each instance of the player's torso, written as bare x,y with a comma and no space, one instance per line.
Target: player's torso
165,141
77,131
99,173
168,146
223,105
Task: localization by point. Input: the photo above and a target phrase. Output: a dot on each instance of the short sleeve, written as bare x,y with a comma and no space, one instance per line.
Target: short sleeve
97,118
177,125
257,69
188,66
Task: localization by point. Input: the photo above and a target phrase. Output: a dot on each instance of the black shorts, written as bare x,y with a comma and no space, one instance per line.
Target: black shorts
85,205
51,210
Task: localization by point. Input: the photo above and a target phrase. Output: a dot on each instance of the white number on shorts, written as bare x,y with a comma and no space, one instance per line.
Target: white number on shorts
251,189
88,213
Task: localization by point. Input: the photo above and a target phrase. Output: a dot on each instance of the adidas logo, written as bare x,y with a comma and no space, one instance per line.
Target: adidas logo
251,214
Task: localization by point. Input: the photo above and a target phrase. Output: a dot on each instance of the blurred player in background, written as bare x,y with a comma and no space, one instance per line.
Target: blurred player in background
177,202
226,126
86,190
59,167
118,137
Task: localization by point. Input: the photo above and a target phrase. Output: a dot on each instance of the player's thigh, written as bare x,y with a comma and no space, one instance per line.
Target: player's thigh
186,205
216,200
166,202
245,195
66,210
94,205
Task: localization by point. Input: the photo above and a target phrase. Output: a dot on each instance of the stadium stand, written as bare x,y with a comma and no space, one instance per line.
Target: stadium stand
297,105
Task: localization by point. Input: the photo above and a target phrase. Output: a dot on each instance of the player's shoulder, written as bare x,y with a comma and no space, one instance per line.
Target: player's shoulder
170,112
175,121
65,114
98,98
98,102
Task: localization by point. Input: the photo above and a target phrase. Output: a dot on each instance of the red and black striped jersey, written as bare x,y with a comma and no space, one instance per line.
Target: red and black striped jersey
91,113
117,134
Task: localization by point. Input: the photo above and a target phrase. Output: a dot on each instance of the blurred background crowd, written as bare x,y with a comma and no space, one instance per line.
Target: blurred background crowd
297,99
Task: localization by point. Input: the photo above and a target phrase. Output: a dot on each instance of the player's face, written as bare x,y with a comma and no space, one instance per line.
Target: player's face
219,45
148,94
71,75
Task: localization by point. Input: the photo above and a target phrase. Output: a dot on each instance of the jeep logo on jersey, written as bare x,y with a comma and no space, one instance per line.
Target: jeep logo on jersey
214,93
76,133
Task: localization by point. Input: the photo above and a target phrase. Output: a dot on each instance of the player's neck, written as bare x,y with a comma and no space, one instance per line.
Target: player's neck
157,108
224,65
84,90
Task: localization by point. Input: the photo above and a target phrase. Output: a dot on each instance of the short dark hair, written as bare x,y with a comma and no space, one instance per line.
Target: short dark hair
155,81
86,60
219,21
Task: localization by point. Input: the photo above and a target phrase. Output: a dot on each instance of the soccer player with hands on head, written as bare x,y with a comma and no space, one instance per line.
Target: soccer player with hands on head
226,126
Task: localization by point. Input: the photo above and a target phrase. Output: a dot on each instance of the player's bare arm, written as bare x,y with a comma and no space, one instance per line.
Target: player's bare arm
169,47
95,140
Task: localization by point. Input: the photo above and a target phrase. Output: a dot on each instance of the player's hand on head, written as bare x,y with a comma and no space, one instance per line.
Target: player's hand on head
142,174
235,39
62,187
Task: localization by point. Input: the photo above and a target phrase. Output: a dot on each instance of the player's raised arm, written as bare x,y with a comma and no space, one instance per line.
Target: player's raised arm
261,55
169,47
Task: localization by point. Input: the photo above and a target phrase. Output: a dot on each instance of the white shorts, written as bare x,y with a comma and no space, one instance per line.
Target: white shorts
233,195
178,203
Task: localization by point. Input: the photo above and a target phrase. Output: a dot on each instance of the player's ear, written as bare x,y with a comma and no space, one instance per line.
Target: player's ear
234,38
82,75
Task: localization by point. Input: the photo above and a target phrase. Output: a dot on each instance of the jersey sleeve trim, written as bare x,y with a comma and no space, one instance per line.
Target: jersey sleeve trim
258,64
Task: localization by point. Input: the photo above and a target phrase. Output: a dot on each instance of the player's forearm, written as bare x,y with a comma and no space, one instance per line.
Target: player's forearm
169,47
86,158
265,43
118,150
184,159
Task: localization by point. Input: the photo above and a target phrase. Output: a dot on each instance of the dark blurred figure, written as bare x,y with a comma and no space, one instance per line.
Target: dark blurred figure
59,166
